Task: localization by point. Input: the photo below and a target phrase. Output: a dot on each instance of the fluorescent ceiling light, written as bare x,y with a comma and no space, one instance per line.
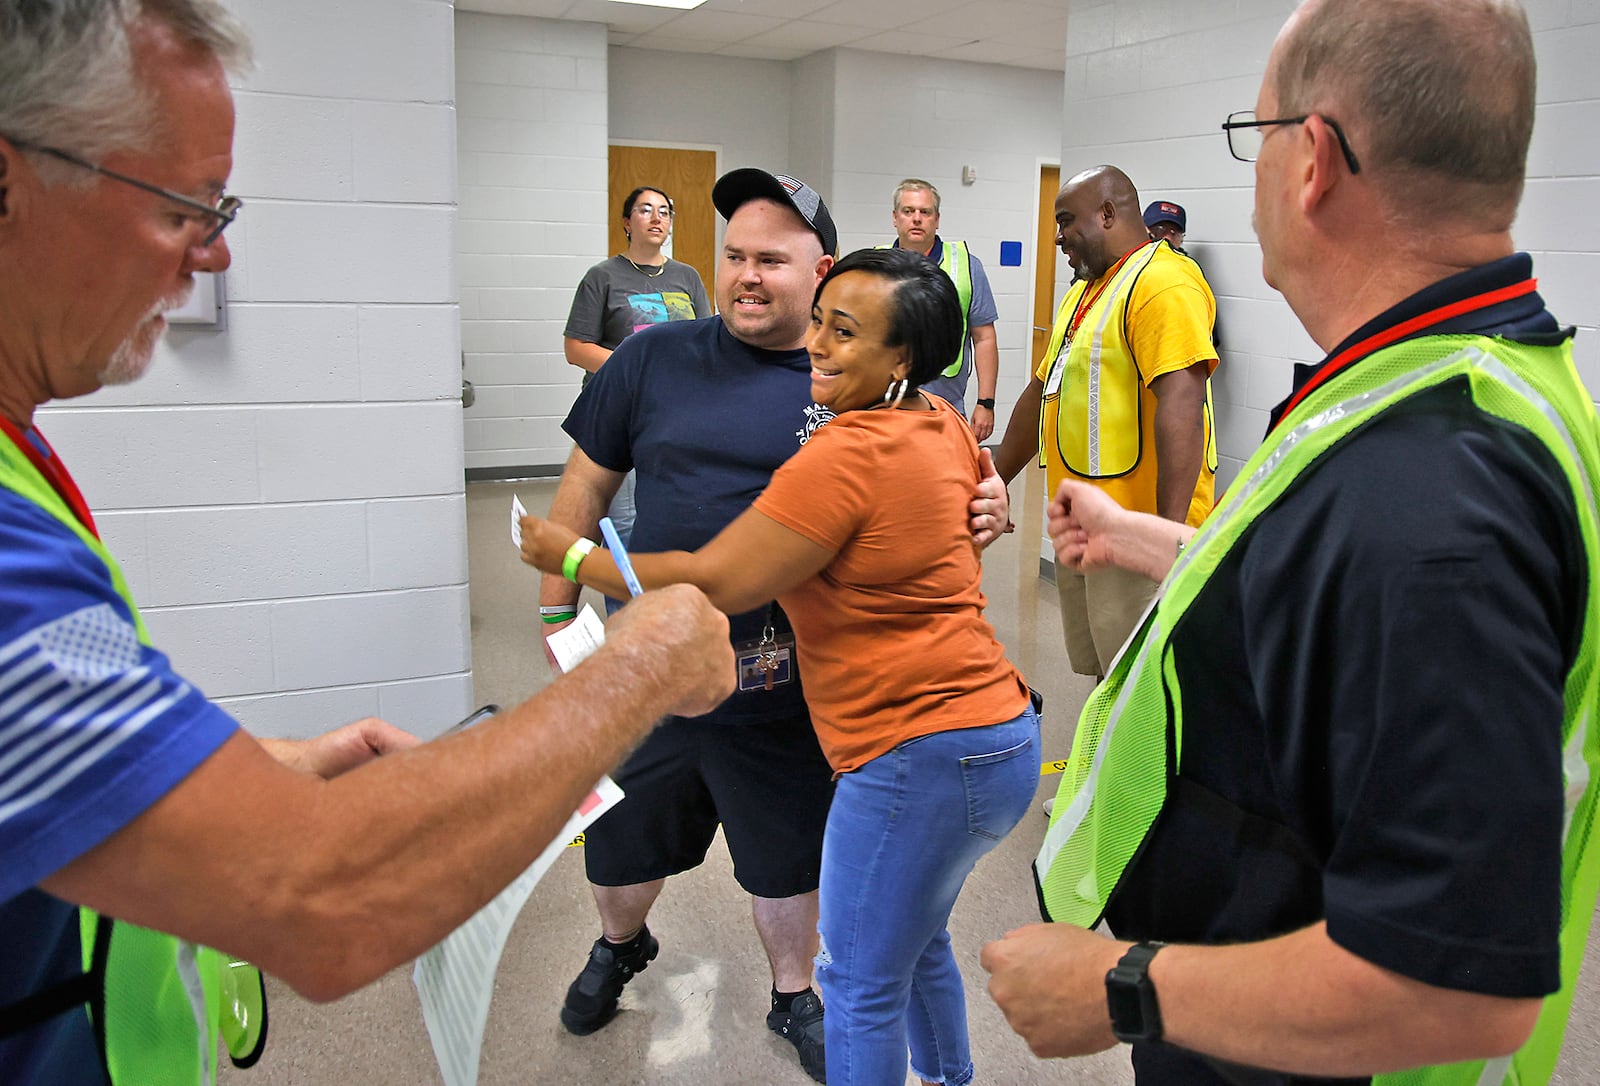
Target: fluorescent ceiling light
681,5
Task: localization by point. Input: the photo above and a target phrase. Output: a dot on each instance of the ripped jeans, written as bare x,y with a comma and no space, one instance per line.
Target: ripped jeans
904,832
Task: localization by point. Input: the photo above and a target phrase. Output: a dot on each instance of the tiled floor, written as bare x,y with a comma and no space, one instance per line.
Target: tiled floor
697,1015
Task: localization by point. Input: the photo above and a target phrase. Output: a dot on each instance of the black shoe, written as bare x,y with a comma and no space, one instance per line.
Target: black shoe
802,1024
592,998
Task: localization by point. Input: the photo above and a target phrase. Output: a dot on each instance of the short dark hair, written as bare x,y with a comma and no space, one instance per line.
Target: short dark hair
633,198
926,314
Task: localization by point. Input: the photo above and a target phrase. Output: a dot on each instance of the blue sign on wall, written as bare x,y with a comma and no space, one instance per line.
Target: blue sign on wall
1010,254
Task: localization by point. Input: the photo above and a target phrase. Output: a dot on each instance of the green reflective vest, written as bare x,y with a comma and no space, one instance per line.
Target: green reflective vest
158,1004
955,262
1130,737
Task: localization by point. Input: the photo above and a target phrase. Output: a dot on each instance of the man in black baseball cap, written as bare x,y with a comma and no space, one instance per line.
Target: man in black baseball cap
735,189
704,411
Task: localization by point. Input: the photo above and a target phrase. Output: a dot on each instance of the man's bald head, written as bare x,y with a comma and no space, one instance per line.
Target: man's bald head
1436,97
1098,220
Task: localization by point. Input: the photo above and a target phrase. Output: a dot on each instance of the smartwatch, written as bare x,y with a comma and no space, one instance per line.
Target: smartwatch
986,401
1131,996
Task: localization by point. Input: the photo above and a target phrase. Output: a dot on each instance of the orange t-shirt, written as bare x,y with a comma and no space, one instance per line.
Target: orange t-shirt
891,635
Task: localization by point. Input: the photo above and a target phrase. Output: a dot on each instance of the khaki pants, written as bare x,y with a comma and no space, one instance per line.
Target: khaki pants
1098,612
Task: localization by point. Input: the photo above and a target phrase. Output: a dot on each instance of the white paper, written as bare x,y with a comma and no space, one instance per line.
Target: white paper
455,979
570,645
517,513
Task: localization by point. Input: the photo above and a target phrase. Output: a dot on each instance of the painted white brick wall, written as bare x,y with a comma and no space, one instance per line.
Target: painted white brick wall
531,106
744,108
1135,98
900,116
286,495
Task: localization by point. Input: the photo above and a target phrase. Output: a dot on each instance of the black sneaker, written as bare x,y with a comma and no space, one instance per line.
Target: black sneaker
802,1024
592,997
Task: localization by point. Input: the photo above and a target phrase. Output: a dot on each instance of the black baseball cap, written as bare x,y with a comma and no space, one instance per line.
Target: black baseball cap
735,189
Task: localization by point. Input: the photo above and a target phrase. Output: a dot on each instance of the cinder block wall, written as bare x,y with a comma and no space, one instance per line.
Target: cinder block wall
533,149
1149,82
287,494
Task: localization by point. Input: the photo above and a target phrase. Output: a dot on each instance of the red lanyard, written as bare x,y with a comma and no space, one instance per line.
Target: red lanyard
53,470
1357,351
1084,306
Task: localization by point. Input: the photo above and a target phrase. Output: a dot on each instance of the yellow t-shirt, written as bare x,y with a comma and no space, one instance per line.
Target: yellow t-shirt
1167,324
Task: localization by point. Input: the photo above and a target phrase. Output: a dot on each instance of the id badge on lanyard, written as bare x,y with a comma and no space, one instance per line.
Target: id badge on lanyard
768,663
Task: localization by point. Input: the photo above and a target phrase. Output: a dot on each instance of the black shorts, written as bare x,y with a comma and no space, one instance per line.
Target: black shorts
767,784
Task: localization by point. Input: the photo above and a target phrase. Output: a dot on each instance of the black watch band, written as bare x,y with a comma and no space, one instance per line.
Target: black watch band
1131,996
986,401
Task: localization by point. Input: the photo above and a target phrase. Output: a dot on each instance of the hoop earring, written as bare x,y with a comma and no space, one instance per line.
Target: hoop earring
896,392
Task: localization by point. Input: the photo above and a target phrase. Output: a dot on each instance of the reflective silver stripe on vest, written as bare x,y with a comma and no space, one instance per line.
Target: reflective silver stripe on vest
1574,765
1113,295
1067,824
1494,1072
189,973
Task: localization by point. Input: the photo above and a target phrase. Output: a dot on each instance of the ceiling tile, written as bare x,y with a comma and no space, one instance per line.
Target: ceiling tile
759,52
539,9
781,9
884,14
630,18
719,27
922,45
809,36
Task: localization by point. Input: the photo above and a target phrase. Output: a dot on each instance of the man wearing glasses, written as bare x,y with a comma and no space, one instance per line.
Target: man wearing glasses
122,788
1347,770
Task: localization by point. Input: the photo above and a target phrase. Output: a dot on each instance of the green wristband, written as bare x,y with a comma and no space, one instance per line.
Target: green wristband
559,616
575,555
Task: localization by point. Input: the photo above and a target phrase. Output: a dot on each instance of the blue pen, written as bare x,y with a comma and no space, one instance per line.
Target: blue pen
619,555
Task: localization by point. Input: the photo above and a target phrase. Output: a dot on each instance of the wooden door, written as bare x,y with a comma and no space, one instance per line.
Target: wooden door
1044,264
687,177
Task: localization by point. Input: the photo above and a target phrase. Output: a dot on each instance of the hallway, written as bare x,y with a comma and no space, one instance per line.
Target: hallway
697,1015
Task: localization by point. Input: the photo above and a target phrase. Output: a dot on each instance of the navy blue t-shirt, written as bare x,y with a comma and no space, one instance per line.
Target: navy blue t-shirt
704,420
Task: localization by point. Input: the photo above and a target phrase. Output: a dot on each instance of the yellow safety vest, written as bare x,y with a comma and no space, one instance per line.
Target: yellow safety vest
1129,741
1096,382
159,1003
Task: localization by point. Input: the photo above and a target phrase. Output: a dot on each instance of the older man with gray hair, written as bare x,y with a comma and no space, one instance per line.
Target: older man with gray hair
122,789
1337,800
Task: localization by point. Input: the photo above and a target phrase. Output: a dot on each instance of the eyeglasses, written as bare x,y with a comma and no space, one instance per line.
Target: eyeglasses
1245,135
223,212
647,210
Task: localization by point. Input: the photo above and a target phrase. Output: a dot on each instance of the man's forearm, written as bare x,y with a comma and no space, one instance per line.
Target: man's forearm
1021,441
1303,1004
1180,439
330,883
580,501
986,360
1298,1003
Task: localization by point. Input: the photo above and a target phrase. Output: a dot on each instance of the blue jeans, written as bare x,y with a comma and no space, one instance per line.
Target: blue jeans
904,832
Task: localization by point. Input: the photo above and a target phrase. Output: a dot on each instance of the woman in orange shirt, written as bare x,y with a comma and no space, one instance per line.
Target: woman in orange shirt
863,538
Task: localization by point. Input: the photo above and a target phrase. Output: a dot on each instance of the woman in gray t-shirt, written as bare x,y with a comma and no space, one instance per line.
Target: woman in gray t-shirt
632,290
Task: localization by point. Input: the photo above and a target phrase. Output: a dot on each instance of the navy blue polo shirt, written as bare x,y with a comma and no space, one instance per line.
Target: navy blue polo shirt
1372,686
